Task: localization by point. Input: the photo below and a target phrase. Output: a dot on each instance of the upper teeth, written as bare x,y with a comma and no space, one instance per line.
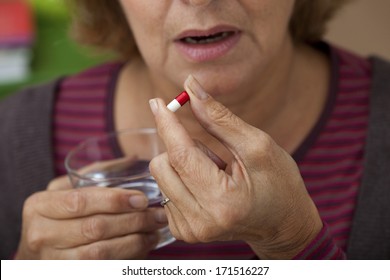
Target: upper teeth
206,39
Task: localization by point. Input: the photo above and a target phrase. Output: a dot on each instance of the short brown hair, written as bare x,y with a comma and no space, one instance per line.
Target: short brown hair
102,23
309,19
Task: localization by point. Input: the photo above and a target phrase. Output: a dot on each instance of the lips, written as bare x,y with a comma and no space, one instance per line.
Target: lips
207,39
207,45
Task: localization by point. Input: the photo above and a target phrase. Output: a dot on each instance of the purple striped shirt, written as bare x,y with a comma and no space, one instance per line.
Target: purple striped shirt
330,159
332,164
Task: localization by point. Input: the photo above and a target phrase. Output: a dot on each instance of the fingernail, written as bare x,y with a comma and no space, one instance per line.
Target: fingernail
153,106
138,201
195,88
160,216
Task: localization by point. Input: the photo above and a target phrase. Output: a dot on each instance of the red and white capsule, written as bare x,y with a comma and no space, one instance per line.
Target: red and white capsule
179,101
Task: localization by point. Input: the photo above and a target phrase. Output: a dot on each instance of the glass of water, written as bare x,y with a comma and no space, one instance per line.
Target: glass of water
119,160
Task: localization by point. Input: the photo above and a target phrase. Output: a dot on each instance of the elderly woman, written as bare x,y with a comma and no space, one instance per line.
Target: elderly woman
289,133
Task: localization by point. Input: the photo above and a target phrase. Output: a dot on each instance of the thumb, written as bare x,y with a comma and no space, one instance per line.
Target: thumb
60,183
218,120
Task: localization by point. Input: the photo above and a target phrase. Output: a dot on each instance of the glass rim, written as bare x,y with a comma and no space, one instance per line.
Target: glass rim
110,180
74,172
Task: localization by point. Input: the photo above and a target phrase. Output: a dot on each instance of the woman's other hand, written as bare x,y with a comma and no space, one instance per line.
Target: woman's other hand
262,200
88,223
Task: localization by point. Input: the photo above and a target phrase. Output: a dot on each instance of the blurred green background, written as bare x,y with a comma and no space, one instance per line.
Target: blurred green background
54,53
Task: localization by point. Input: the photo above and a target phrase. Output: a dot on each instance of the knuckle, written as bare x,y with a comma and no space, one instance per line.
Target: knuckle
93,228
33,235
260,147
265,141
75,202
34,239
221,115
156,163
180,158
29,205
32,206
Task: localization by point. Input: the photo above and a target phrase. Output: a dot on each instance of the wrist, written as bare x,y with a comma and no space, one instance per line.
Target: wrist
288,241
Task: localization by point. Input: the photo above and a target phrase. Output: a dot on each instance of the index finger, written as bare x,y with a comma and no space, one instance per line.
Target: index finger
169,127
178,142
82,202
191,163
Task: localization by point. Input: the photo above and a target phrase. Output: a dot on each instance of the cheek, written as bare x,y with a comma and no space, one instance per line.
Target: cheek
141,20
271,19
146,24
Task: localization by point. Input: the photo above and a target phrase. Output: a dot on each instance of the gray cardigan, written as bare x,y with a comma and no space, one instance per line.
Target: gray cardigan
26,165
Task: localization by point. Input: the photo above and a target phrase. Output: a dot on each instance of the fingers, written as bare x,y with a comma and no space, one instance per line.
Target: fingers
60,183
84,202
134,246
90,222
184,154
169,181
187,209
195,168
93,228
169,127
219,121
179,226
213,156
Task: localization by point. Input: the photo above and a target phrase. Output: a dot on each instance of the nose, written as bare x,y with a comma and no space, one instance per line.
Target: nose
199,2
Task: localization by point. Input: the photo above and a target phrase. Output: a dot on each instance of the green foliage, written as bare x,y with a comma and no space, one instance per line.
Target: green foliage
54,9
54,53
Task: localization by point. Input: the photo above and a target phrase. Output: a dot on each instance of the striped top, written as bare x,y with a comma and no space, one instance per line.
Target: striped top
330,159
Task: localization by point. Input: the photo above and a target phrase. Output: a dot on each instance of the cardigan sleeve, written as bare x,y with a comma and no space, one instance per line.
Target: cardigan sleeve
370,233
26,161
323,247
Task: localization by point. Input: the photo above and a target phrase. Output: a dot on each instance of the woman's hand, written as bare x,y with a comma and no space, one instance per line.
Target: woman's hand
263,200
88,223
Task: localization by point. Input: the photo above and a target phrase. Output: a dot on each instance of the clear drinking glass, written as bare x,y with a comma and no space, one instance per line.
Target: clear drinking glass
119,160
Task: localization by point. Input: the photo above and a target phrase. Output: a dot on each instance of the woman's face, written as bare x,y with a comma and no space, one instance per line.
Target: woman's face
227,45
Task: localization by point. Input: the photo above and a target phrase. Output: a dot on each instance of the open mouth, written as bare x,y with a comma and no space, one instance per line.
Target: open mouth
207,45
214,38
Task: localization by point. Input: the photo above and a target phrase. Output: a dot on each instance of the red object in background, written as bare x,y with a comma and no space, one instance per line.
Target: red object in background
16,23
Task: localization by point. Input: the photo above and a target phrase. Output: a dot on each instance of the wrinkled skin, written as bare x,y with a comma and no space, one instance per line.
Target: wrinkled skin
260,196
88,223
263,201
